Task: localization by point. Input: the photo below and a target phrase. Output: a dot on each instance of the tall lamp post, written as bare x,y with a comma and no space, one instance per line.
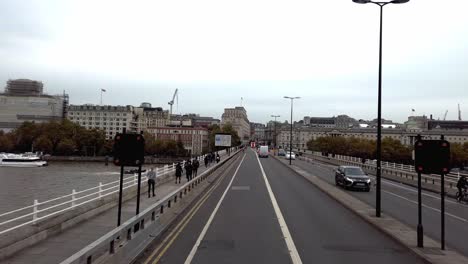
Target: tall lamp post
290,134
275,116
379,104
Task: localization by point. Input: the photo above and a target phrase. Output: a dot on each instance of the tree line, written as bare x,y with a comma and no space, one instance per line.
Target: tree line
68,138
392,150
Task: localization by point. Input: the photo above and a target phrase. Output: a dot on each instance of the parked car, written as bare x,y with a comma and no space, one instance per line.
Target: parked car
290,154
352,177
263,152
281,152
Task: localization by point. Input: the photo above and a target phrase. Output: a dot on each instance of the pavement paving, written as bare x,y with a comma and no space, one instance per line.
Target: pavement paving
246,229
57,248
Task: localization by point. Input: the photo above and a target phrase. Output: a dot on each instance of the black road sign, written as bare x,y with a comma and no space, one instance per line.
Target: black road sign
432,156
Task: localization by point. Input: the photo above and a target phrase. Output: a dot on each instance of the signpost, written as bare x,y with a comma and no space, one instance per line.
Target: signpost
432,157
129,150
223,140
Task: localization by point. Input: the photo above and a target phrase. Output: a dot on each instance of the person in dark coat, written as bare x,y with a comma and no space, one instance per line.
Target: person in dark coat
151,182
196,164
188,170
178,172
461,186
206,161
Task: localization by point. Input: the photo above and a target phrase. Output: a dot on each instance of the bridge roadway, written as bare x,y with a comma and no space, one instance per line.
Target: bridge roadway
400,201
239,222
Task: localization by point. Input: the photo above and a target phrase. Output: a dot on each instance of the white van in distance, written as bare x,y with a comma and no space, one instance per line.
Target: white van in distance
263,152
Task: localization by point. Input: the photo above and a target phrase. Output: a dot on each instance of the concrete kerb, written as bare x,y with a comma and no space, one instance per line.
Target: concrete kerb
391,227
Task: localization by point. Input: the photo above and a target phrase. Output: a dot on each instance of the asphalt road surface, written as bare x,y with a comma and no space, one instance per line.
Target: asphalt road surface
272,217
400,201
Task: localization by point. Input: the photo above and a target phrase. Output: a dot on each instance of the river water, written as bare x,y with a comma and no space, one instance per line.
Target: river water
20,186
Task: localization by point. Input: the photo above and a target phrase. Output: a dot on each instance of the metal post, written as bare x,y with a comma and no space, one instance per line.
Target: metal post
379,125
138,190
420,226
442,212
73,197
119,214
290,140
35,211
100,189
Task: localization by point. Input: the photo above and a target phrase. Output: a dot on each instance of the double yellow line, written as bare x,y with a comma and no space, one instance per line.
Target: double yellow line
169,240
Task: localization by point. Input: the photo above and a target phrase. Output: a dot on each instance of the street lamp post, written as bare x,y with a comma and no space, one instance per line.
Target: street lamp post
275,116
379,104
290,134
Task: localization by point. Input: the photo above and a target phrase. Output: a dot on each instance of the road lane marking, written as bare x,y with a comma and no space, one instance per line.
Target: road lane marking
295,258
186,219
426,206
412,190
208,223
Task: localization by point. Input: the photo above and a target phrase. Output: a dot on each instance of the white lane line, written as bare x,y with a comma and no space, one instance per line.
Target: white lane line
296,259
428,207
208,223
415,191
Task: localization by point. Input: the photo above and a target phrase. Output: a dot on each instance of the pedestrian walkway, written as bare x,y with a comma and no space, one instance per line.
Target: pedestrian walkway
57,248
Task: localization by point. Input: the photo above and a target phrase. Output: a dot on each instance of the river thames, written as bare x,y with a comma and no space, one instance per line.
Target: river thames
20,186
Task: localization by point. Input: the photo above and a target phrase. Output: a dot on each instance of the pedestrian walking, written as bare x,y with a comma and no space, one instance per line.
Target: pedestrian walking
188,170
206,161
151,182
218,158
178,172
196,164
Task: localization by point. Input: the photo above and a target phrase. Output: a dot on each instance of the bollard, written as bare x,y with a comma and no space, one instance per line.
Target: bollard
169,204
175,199
35,211
162,209
73,197
112,247
100,189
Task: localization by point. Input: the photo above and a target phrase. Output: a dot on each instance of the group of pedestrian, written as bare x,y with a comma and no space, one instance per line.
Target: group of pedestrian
191,171
210,158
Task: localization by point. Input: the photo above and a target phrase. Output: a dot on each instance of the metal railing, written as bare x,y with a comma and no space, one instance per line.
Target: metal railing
401,170
119,237
38,211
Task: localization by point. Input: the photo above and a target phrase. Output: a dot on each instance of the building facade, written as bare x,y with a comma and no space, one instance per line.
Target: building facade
147,116
301,136
194,139
258,131
237,117
24,100
110,119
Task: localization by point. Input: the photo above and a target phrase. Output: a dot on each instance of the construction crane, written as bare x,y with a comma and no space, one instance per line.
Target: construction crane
459,113
445,116
171,103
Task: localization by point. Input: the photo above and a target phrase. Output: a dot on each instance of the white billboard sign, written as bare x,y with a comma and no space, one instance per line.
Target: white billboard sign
222,140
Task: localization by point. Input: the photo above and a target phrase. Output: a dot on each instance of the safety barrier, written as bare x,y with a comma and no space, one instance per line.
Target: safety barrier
122,235
39,211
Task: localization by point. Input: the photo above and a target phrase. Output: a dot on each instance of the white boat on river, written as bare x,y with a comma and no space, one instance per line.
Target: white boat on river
21,160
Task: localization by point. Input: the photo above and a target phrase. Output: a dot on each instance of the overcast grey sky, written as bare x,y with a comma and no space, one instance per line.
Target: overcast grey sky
217,51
